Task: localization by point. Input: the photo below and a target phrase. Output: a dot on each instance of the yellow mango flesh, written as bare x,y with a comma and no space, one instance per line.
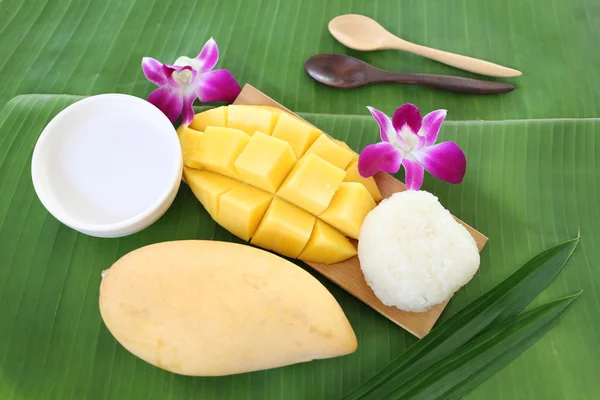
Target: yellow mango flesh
208,308
241,173
208,187
332,152
345,145
297,133
241,209
214,117
311,184
250,119
327,245
218,148
285,229
277,111
349,207
189,139
265,162
352,175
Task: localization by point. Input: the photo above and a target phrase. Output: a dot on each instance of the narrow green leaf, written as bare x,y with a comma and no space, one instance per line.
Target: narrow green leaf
485,355
506,300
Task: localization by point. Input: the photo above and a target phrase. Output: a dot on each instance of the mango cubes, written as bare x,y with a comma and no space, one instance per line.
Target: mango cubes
327,245
241,209
285,229
214,117
348,209
312,184
218,148
352,175
332,152
298,134
250,120
208,187
189,139
265,162
272,179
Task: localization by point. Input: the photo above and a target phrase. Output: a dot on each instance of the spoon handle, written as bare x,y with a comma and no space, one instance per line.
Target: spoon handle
450,83
456,60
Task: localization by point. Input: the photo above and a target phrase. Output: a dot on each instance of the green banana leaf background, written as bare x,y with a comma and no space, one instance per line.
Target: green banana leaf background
532,177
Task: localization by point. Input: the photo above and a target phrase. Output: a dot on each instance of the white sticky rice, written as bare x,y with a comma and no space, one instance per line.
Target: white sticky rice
413,253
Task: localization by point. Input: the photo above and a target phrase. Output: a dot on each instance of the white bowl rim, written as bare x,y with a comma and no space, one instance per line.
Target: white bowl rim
114,227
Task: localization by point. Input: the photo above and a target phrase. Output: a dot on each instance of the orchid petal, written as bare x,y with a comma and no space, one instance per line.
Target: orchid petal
187,114
386,129
377,157
407,115
217,85
432,123
208,57
445,161
153,69
414,174
168,100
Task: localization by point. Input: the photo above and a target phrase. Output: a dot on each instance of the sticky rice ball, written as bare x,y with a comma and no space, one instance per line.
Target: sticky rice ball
413,253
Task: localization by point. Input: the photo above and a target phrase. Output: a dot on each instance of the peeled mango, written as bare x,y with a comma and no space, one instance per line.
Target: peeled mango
209,308
272,179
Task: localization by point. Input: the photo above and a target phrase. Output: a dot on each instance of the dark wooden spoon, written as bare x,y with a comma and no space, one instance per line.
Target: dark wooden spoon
345,72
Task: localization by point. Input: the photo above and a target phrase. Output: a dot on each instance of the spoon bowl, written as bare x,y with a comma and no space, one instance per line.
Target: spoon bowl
337,70
359,32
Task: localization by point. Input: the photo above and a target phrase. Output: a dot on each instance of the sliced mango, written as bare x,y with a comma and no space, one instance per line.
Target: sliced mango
208,187
352,175
213,117
311,184
276,110
250,119
241,209
299,134
348,209
218,148
330,151
265,162
345,145
189,139
269,175
284,229
327,245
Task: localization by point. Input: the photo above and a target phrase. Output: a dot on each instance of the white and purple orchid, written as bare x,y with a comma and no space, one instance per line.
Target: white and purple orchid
187,79
409,140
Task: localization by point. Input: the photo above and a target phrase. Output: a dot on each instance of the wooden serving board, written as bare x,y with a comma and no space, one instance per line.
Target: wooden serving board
347,274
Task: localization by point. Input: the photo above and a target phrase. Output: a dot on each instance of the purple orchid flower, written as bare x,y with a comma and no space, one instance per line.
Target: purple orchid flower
187,79
408,139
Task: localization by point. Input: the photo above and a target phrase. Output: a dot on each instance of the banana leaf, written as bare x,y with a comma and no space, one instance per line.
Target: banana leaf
88,47
530,184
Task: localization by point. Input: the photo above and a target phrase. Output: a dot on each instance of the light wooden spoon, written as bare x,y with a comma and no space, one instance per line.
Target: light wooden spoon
365,34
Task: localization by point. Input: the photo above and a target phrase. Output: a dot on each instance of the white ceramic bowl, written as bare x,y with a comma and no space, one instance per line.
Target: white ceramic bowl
108,166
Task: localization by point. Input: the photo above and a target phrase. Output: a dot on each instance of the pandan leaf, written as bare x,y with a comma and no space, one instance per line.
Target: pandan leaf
482,357
506,300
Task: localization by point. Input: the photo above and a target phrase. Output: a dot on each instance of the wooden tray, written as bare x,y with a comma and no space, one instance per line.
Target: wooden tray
347,274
